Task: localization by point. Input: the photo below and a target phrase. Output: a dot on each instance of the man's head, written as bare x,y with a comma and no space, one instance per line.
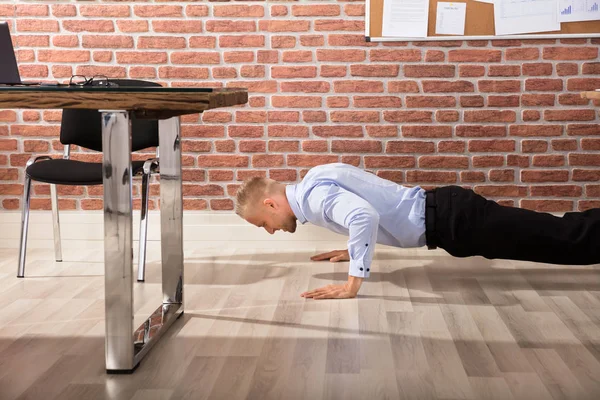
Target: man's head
263,203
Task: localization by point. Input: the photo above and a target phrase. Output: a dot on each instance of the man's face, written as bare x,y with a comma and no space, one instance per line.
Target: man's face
273,218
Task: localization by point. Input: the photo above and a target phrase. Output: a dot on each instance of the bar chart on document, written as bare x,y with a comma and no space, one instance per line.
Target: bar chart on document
526,16
579,10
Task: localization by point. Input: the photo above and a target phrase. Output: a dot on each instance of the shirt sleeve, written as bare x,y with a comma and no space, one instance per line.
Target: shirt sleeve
361,219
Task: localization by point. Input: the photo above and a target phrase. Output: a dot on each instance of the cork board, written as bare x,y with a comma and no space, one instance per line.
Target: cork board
479,24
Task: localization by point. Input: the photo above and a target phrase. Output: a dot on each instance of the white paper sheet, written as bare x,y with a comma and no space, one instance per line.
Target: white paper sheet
578,10
525,16
450,19
405,18
486,1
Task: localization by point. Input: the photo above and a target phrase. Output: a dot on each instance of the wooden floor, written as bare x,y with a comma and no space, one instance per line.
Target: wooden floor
425,326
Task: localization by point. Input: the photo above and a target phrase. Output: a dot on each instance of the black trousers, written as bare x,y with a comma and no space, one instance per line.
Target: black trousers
466,224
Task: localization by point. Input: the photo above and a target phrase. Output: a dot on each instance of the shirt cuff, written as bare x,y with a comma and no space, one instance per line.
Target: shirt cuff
359,269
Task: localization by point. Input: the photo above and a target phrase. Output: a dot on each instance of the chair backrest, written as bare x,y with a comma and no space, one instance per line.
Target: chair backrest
83,127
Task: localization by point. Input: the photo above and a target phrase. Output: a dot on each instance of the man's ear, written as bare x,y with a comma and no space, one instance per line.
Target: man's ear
269,202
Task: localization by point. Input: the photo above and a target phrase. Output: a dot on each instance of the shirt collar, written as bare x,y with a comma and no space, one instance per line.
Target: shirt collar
290,192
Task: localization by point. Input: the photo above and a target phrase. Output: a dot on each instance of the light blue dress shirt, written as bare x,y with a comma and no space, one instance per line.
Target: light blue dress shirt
363,206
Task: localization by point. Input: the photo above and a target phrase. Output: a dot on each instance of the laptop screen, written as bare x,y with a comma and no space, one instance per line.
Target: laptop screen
9,70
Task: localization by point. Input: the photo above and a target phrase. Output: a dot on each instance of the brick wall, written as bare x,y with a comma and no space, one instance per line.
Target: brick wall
502,116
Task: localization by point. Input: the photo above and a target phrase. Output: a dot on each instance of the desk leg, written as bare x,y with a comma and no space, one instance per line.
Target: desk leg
171,227
118,252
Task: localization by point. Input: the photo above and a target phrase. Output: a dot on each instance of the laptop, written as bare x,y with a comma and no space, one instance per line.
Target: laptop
9,70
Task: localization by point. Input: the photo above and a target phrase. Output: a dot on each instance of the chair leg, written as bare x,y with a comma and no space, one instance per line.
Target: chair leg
143,226
24,226
56,224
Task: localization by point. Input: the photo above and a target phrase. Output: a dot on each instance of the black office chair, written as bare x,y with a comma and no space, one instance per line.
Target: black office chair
83,128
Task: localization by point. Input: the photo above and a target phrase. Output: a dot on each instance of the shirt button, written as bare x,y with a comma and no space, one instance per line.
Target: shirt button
361,269
368,269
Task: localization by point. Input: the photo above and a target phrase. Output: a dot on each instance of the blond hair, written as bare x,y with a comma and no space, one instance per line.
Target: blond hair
250,193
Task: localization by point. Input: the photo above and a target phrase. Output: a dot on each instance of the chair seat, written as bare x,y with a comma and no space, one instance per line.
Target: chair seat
71,172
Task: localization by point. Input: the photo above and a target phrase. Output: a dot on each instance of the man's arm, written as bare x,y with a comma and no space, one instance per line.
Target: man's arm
362,221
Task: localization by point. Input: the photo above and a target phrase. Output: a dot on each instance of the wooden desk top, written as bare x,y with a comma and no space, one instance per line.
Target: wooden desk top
146,102
591,95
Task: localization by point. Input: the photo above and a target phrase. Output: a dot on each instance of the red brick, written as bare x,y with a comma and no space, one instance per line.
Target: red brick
310,160
570,53
554,160
343,55
583,129
288,131
223,161
446,116
375,70
565,69
409,55
471,71
471,101
547,205
283,175
356,146
338,25
451,146
284,26
240,41
224,26
556,191
314,116
430,101
221,204
389,162
426,131
305,86
492,145
569,115
447,86
284,145
537,99
502,175
382,131
230,57
535,130
472,176
338,102
338,131
296,101
408,116
429,71
474,55
130,26
504,70
591,68
522,53
283,116
592,160
501,190
315,146
431,177
544,176
564,144
354,116
435,56
297,56
409,146
37,25
453,162
480,131
551,85
531,115
88,25
537,69
239,11
590,144
487,161
403,87
335,40
245,131
571,99
358,86
489,116
504,101
534,146
504,86
312,40
377,102
583,84
514,160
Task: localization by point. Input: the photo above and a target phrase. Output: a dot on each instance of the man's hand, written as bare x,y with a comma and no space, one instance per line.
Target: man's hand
333,256
347,290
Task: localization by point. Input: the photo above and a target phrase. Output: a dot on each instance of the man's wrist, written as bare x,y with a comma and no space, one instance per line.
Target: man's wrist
353,284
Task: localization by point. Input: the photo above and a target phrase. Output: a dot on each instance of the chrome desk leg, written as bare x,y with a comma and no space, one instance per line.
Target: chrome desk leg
124,347
171,210
143,226
171,216
118,252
